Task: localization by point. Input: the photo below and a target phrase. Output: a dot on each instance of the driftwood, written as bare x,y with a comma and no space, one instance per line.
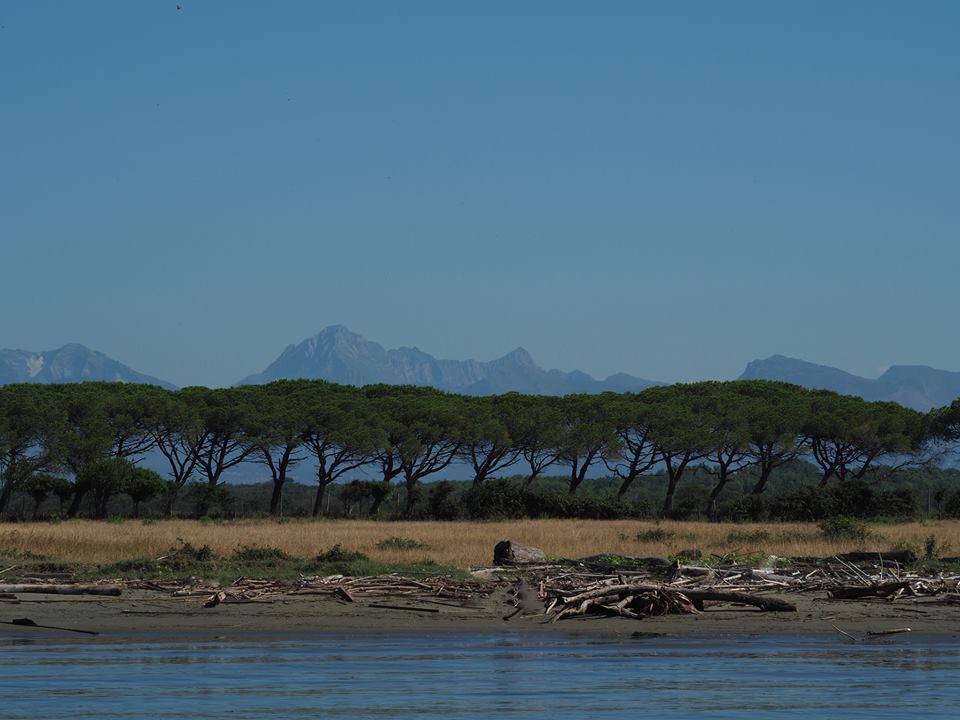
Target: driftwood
853,592
69,589
382,606
27,622
904,557
639,600
767,604
894,631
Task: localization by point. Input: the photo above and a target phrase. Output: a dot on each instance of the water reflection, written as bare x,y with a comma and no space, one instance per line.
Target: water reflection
461,676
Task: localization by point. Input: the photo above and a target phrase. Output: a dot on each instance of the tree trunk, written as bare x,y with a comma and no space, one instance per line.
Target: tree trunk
320,496
276,496
203,503
411,485
574,483
667,508
714,495
766,468
74,508
5,495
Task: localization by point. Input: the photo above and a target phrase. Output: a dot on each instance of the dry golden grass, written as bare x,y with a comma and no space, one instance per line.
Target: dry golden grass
458,543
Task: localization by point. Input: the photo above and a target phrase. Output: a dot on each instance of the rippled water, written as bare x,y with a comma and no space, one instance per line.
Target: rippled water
478,676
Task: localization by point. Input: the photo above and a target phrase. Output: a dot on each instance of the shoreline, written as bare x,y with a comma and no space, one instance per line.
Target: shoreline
149,616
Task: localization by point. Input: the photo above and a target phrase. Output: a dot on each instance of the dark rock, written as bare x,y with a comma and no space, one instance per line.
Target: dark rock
508,552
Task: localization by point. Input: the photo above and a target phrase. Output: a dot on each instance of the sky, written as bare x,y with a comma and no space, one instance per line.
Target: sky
664,189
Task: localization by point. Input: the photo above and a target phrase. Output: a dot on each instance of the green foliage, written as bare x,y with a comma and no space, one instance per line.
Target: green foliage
844,528
657,534
738,450
187,553
337,554
747,536
502,499
402,543
258,554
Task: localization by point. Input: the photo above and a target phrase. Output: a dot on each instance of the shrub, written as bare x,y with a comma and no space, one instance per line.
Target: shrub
842,527
402,543
748,507
337,554
254,553
807,503
494,499
656,534
748,536
189,553
440,504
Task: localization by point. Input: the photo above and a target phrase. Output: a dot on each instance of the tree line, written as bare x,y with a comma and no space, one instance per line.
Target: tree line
82,442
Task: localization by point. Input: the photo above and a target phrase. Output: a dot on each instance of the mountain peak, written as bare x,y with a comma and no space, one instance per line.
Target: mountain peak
916,386
518,356
339,355
70,363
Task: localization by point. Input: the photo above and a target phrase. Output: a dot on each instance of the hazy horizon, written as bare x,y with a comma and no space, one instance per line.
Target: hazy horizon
668,191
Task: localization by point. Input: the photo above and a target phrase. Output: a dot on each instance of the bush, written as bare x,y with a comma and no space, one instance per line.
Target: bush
746,508
844,528
494,499
657,534
402,543
188,553
257,554
748,536
807,503
440,504
337,554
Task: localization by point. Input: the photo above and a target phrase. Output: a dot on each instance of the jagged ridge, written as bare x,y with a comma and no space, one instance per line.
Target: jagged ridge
68,364
916,386
339,355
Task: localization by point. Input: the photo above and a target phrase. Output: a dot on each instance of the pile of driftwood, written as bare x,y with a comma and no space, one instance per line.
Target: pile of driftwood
664,588
340,587
640,600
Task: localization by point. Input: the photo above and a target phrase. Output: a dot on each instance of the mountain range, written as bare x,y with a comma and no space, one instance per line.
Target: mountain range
339,355
71,363
916,386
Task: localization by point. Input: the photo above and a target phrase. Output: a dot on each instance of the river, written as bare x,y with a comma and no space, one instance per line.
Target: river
482,675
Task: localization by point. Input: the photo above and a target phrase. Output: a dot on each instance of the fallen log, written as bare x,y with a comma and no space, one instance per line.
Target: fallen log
767,604
62,589
854,592
27,622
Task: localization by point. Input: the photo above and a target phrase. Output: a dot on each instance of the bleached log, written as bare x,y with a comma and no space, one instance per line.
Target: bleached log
880,591
61,589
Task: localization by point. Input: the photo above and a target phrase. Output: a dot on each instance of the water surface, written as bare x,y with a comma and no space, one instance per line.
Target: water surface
480,676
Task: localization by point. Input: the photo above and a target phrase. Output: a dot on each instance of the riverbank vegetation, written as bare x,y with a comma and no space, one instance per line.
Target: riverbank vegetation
175,547
735,450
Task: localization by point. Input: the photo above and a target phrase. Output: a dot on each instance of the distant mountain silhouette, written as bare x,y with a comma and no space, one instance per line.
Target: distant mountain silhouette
69,364
341,356
916,386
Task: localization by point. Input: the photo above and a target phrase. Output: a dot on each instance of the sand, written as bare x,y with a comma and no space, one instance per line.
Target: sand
149,616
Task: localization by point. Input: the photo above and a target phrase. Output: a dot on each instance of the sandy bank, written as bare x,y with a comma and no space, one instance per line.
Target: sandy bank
153,616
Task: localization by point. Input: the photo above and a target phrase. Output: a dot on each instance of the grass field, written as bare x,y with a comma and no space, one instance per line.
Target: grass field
463,544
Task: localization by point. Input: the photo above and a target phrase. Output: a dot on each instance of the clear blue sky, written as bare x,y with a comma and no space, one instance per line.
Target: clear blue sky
666,189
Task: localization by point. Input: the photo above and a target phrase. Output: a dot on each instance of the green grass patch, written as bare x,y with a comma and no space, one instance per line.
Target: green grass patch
402,543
